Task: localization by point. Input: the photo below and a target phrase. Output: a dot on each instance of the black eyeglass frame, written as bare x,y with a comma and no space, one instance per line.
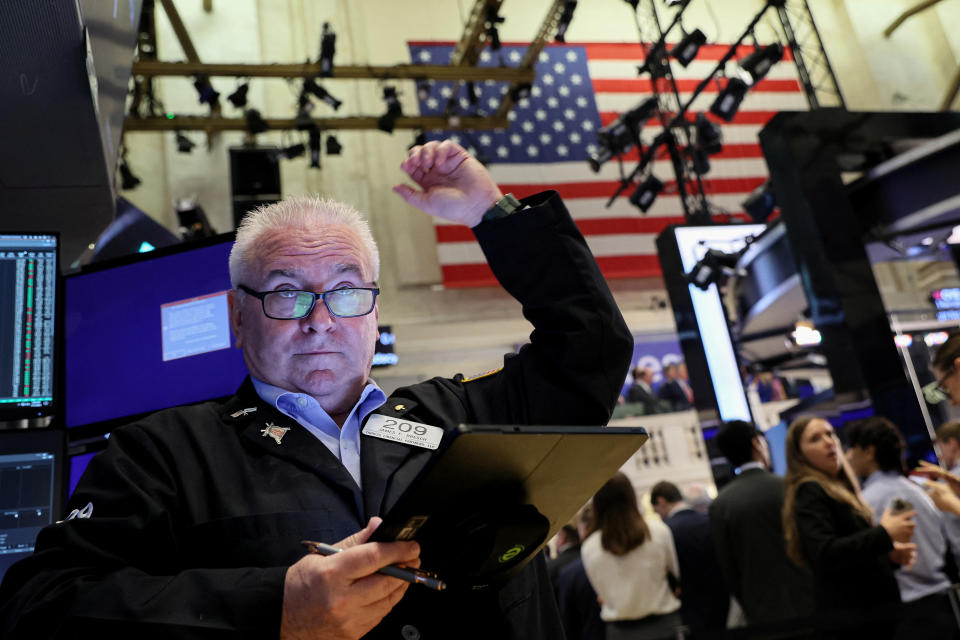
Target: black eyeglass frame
321,295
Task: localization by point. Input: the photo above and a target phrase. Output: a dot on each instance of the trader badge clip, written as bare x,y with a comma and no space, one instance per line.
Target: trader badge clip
274,432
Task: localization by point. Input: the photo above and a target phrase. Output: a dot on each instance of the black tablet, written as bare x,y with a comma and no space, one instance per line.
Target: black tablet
495,495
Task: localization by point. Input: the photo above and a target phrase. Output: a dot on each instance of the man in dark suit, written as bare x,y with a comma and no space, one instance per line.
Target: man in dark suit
641,391
704,599
568,550
675,391
748,532
576,598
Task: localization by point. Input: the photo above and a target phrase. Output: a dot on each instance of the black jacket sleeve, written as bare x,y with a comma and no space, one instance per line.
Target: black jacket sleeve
833,538
572,370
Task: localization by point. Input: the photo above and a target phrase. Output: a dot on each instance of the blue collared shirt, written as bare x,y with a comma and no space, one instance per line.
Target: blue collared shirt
343,443
926,576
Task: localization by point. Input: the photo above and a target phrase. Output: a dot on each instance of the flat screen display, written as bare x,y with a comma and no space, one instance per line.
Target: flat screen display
149,333
31,489
28,288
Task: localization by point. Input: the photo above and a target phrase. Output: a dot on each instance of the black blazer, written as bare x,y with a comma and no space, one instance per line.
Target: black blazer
748,531
848,556
639,395
673,393
704,599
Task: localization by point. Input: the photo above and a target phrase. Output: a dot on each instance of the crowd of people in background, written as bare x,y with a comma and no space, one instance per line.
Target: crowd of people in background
845,545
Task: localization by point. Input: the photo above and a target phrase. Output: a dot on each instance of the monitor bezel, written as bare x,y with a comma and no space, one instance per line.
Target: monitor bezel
12,413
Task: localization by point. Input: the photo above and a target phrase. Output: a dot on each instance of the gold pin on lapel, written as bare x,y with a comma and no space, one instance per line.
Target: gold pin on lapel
399,407
275,432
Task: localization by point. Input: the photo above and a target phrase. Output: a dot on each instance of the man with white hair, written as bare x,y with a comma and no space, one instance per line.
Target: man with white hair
194,516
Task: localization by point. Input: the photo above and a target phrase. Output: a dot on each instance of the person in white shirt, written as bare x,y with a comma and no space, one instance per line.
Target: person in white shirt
628,562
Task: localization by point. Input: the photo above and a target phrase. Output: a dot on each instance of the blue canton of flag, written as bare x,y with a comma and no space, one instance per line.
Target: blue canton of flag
558,122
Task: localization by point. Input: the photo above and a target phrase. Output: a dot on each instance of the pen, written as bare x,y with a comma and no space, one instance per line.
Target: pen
409,574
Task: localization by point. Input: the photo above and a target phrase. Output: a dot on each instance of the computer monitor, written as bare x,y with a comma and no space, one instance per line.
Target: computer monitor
148,332
31,488
28,288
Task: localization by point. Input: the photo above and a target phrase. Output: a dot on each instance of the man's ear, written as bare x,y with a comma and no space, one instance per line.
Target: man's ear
233,304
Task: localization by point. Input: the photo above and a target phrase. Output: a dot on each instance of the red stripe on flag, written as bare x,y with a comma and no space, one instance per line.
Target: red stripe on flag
479,275
626,51
644,85
729,152
605,189
742,117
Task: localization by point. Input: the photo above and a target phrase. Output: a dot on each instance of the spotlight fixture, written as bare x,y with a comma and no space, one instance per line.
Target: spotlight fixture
184,144
686,50
255,122
715,267
293,151
756,65
388,121
564,22
193,220
760,203
622,134
491,22
646,192
206,94
239,97
127,179
328,47
423,89
315,147
729,99
708,135
333,146
311,87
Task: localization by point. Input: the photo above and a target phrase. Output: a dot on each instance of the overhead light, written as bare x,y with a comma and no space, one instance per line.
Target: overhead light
686,50
388,120
729,99
333,146
715,267
564,22
936,338
491,22
205,91
756,65
315,148
239,97
903,340
255,122
646,192
805,335
293,151
622,134
311,87
184,144
328,47
760,203
127,179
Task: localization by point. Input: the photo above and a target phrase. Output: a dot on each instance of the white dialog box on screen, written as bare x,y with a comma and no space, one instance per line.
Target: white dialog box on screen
195,325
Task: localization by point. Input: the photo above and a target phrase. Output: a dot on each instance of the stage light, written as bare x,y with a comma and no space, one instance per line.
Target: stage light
715,267
388,121
565,17
423,89
686,50
127,179
311,87
333,146
315,147
255,122
491,22
206,94
239,97
622,134
328,47
293,151
729,99
903,340
646,192
184,144
805,335
760,203
709,138
756,65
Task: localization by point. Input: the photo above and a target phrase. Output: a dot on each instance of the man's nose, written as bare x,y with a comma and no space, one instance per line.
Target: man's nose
319,318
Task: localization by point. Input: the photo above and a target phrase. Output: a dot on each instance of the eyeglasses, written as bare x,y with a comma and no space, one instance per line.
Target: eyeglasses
936,391
293,304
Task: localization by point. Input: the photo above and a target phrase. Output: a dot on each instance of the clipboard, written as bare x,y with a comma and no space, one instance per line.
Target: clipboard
494,495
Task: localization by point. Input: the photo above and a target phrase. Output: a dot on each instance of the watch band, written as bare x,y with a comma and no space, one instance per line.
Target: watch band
502,208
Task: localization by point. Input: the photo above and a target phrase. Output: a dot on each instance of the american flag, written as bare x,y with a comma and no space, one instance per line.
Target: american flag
580,88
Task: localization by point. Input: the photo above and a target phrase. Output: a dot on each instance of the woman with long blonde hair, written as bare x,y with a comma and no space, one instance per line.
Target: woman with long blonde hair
829,526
